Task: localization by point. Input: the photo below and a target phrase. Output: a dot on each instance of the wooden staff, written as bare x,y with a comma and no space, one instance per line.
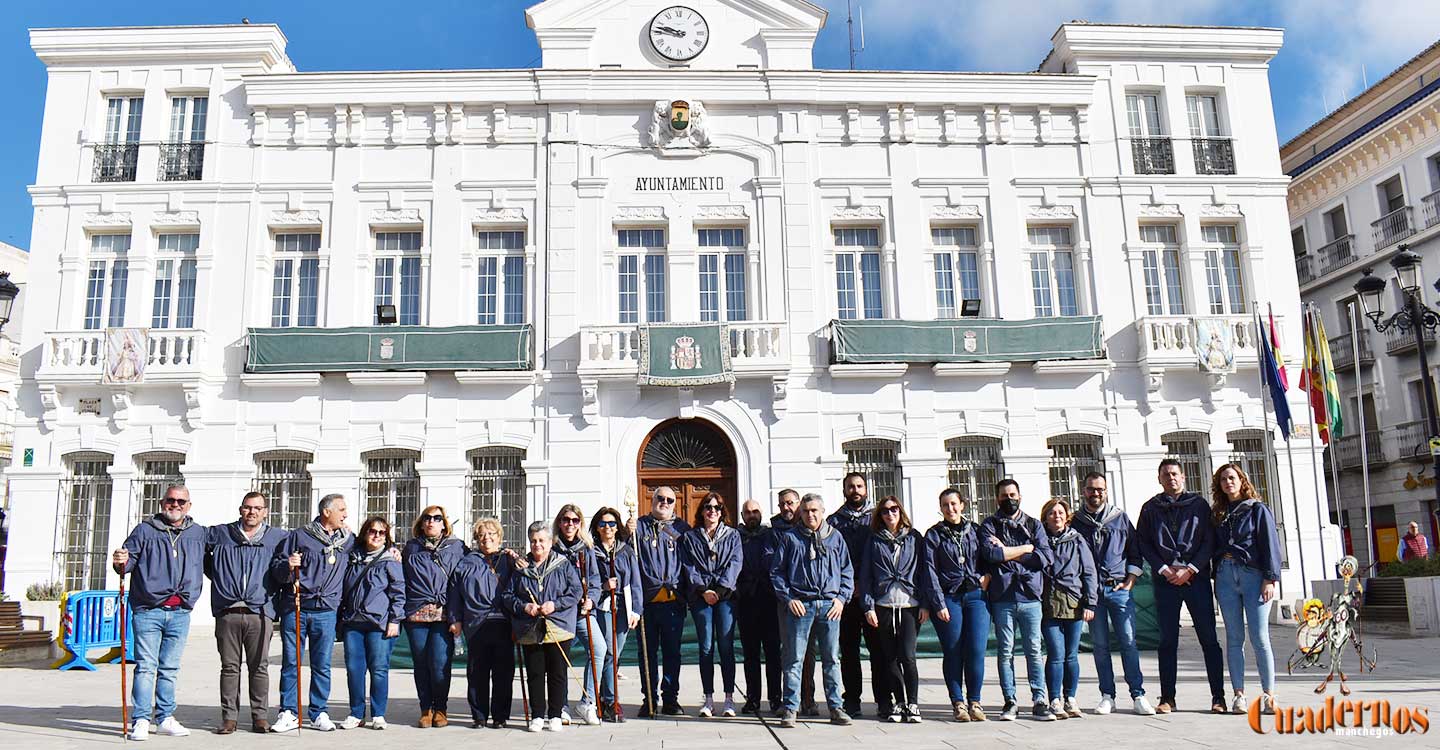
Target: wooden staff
589,637
615,639
524,692
124,691
299,683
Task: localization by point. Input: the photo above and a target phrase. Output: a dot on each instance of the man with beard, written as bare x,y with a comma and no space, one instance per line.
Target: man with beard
756,615
237,562
657,538
852,520
1016,551
166,556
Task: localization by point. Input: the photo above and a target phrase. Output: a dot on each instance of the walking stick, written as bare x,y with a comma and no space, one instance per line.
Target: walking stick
647,683
124,691
589,638
614,641
524,691
299,684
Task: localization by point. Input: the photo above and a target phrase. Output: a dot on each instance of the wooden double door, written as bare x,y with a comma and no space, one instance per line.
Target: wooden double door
692,457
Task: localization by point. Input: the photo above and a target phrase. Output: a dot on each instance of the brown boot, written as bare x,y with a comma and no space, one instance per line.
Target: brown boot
426,719
260,726
226,727
440,720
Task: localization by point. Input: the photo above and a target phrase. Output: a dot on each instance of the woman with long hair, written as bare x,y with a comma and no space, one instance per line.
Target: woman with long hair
962,619
618,607
1071,596
1247,578
710,561
543,600
474,611
372,605
430,556
572,542
897,594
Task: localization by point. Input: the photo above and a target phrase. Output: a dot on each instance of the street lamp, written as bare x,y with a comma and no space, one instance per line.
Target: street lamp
8,291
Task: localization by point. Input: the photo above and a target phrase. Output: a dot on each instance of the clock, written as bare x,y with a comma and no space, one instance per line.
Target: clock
679,33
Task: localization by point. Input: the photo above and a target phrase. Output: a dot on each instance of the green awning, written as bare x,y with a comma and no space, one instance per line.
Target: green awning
389,348
966,340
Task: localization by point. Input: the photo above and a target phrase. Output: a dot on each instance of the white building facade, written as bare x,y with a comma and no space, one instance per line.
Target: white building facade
803,244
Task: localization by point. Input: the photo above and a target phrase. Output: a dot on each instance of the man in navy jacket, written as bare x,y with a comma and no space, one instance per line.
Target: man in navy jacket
852,520
1175,537
657,542
1016,550
755,604
237,562
165,556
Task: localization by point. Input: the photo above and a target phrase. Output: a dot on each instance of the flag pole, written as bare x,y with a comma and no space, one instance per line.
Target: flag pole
1294,486
1364,448
1320,509
1272,467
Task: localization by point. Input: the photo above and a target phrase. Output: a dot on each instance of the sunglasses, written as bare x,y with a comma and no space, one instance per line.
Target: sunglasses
607,524
710,508
175,500
664,501
434,517
570,520
376,532
890,510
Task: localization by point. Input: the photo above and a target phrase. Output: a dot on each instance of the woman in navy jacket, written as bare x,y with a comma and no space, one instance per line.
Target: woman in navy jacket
962,618
372,604
473,609
431,555
897,593
710,562
1072,592
573,543
543,600
1247,578
617,610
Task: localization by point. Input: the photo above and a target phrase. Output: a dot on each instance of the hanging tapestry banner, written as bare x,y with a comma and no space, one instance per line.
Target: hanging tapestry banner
684,354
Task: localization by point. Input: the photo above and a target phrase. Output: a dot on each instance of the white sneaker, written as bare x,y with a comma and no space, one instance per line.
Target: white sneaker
1057,707
707,709
285,722
170,727
535,725
377,722
1237,704
565,716
1072,709
591,718
351,722
140,730
729,710
1106,705
322,723
1143,707
556,725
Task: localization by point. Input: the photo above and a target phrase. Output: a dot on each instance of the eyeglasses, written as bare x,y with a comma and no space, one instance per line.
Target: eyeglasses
434,517
569,520
607,524
1094,490
252,508
376,532
890,510
662,500
711,508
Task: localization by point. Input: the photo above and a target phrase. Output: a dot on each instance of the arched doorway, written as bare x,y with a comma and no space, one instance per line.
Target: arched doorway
691,456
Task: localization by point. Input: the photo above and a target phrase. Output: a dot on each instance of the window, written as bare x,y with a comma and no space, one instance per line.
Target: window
397,275
497,489
501,278
1073,456
1192,450
1392,195
722,275
1143,111
642,275
392,486
174,305
1052,272
107,282
187,118
957,269
1164,293
295,291
1248,449
1297,241
1335,224
974,468
1224,283
122,119
157,472
1204,113
877,459
85,551
284,478
857,273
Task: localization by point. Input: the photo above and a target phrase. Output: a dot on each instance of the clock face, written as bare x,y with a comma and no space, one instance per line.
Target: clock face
679,33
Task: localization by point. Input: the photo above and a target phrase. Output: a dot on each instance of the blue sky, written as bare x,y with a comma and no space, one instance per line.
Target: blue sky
1331,46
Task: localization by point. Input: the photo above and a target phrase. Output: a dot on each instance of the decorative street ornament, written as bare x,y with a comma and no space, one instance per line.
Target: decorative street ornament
679,124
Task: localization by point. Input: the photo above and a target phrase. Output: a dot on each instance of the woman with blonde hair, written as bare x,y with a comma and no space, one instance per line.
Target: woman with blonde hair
474,612
430,556
1072,594
1247,578
572,542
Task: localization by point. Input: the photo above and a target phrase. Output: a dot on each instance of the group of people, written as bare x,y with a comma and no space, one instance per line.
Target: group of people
802,588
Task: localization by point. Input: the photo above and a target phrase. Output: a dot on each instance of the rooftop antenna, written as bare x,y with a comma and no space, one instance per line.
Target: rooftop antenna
1364,76
850,27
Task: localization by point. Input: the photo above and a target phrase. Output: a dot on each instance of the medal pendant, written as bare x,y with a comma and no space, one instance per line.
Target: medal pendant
331,558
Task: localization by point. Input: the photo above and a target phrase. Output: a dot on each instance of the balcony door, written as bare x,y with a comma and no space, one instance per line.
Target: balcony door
692,457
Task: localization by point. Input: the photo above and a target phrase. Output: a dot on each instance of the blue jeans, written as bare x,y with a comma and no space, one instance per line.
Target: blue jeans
1116,615
1238,589
367,650
715,623
1007,616
1062,656
1198,597
664,622
159,643
432,648
317,629
598,626
795,632
963,641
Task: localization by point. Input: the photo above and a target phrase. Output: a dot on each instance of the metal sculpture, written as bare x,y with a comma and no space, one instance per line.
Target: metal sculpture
1325,630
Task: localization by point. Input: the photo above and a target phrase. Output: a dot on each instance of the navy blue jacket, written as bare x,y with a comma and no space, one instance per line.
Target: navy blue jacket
575,552
1072,568
239,568
754,577
627,570
1248,535
659,548
427,572
321,581
1112,541
374,593
779,527
795,574
896,561
854,526
554,580
1021,579
475,588
710,564
165,561
953,552
1176,532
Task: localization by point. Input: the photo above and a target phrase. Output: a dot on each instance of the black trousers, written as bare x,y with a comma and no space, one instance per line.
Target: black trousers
490,671
545,669
760,644
852,629
899,627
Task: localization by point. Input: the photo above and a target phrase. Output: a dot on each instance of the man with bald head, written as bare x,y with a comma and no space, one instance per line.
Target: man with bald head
755,612
657,538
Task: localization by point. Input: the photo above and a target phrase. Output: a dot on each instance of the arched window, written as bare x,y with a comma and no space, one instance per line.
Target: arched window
1192,450
497,490
1072,456
158,470
1248,449
974,468
85,492
391,486
876,459
284,478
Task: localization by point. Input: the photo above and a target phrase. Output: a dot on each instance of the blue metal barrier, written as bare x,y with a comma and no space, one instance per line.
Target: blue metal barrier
91,621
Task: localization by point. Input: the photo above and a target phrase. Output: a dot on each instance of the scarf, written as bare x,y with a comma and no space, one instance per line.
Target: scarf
816,538
1009,528
571,549
330,541
779,524
538,572
1063,536
360,557
238,534
854,515
432,545
1098,519
954,533
747,534
713,540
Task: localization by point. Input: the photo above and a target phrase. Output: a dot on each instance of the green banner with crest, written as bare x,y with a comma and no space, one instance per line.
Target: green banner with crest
684,354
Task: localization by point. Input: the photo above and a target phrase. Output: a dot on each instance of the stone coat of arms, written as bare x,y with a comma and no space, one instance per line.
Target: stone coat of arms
679,124
684,355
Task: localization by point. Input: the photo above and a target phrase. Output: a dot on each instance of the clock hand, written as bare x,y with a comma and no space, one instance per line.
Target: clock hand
672,32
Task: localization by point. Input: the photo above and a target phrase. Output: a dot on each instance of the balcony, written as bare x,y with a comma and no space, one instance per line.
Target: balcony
1336,254
1304,269
165,355
392,349
757,349
181,161
1348,449
1153,155
1399,342
115,162
1408,441
1169,341
1213,155
1342,351
1430,209
1392,227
